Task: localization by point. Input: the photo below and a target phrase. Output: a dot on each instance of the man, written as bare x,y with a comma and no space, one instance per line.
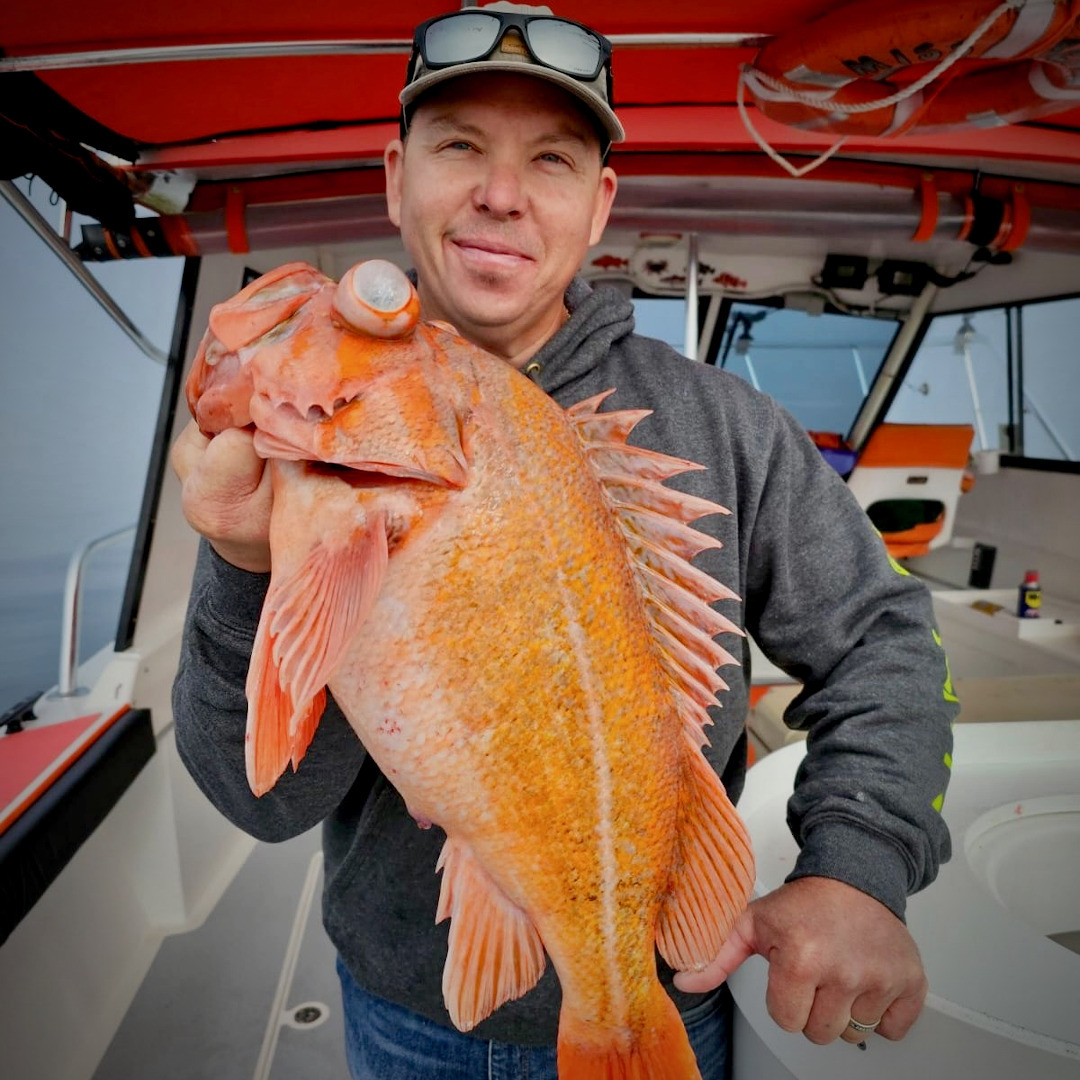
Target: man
498,185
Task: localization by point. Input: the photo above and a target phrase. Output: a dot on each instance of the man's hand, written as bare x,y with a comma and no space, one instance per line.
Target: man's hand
226,494
834,954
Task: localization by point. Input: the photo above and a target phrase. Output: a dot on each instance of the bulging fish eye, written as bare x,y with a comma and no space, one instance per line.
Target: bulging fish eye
376,298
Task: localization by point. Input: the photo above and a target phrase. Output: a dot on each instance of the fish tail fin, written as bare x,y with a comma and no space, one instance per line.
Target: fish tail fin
659,1050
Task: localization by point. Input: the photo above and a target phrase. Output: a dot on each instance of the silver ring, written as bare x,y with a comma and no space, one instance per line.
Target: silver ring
862,1029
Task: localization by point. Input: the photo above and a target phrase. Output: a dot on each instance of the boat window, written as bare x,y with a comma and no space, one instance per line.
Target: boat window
78,407
1008,371
818,366
661,317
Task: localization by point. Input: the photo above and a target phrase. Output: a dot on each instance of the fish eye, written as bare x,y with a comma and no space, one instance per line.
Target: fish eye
376,298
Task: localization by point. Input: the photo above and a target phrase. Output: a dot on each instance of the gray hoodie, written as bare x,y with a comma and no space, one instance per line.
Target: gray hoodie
820,596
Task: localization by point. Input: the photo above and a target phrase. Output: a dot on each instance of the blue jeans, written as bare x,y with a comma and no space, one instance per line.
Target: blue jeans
383,1041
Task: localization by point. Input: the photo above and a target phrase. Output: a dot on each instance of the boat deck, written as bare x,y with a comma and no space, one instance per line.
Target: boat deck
227,1001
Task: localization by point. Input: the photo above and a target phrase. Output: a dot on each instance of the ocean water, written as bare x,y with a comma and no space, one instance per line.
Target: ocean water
31,615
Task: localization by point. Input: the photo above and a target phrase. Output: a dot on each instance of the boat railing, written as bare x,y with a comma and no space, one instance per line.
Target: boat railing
72,618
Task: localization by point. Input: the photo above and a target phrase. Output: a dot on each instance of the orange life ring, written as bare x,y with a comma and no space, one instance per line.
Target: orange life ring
1022,66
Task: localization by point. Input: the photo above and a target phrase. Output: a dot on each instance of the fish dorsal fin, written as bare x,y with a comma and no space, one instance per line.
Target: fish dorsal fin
308,619
495,954
655,521
713,871
713,868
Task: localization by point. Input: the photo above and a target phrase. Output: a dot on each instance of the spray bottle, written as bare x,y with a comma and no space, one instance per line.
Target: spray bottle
1030,596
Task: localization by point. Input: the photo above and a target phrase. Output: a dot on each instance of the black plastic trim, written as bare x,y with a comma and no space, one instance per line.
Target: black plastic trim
1015,461
159,457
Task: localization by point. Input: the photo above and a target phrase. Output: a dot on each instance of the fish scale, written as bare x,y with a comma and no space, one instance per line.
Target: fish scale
499,598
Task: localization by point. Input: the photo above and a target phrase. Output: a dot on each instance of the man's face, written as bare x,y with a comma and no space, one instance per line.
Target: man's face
498,195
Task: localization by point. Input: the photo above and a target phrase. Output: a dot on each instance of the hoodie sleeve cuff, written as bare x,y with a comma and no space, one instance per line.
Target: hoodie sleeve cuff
864,860
234,597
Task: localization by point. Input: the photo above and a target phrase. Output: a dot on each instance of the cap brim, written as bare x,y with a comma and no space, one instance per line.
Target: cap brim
600,109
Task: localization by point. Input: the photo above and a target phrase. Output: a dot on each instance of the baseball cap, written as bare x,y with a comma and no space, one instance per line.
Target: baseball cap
519,38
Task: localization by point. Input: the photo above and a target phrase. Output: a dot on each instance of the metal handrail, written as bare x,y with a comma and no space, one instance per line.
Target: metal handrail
690,348
28,212
69,633
246,50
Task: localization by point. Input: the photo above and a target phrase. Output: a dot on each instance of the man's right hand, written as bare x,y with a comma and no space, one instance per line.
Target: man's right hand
226,494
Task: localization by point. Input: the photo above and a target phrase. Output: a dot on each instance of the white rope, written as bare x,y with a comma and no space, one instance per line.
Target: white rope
770,89
774,154
779,90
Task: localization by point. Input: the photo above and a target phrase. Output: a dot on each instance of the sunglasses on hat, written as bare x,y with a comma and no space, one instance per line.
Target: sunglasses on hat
462,37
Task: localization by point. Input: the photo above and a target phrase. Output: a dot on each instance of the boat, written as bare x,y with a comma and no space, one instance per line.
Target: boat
904,277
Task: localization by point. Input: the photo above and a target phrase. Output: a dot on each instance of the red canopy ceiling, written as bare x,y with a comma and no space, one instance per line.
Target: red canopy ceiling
163,103
241,118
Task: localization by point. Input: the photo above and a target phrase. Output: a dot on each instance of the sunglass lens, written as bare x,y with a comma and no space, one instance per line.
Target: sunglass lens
460,38
565,47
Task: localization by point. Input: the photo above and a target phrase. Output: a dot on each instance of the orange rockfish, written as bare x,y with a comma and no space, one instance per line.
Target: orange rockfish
498,594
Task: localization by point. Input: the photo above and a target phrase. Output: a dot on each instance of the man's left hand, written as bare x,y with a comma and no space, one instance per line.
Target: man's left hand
834,954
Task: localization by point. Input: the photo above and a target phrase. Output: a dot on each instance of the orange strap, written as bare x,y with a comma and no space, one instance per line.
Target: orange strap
931,209
1021,220
235,224
178,235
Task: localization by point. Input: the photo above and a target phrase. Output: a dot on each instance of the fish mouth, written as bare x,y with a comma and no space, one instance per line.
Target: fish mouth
429,449
372,475
444,469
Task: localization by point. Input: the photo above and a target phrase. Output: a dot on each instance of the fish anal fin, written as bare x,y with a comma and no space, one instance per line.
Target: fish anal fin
713,871
495,954
656,1048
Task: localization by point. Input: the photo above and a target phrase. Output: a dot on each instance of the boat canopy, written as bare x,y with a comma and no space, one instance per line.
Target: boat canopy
211,109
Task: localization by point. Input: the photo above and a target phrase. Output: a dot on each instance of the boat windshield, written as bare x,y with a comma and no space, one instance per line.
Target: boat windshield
1009,371
819,366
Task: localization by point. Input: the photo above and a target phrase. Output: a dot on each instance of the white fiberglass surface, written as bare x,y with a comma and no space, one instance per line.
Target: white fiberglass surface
1027,854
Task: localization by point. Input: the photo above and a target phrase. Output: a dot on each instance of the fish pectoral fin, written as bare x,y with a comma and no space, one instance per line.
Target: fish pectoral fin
713,870
307,622
268,746
495,954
